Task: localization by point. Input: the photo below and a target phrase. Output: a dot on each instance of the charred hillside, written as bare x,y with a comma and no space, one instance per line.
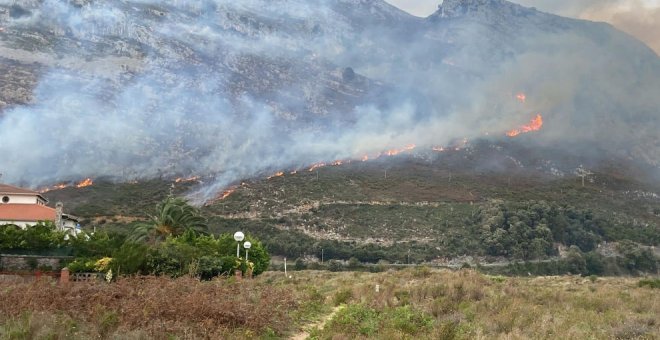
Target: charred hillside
138,90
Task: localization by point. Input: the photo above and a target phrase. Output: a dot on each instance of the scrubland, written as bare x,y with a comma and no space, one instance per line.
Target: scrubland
417,303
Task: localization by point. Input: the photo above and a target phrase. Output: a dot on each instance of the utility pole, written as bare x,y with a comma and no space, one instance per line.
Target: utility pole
321,255
582,172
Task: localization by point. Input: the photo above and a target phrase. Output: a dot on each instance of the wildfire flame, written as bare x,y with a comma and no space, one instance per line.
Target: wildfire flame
395,152
534,125
279,174
521,97
54,187
85,183
226,193
188,179
316,166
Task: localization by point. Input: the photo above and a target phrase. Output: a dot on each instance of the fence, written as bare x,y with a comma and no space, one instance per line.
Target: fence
62,276
14,277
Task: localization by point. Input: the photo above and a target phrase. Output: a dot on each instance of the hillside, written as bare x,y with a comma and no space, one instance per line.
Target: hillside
411,207
494,116
137,90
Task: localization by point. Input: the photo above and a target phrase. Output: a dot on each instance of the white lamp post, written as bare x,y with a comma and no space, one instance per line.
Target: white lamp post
238,236
247,246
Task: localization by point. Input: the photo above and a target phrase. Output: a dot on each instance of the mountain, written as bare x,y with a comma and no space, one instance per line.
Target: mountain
141,89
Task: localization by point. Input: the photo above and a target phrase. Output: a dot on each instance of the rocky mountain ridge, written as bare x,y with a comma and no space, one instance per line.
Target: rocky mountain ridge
296,82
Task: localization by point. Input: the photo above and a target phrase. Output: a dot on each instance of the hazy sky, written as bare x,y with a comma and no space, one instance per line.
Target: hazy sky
640,18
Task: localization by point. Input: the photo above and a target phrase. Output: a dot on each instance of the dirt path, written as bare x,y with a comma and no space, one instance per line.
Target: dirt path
304,334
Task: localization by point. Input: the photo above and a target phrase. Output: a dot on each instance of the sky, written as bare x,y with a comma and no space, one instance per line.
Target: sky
639,18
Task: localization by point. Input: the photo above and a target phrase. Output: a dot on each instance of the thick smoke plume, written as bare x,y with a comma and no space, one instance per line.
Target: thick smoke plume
142,89
639,18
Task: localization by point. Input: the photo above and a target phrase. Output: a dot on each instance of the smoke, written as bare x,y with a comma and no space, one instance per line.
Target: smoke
639,18
242,89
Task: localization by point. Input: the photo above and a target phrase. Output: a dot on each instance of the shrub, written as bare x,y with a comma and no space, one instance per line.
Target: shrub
81,265
409,321
356,319
130,258
342,296
300,264
651,283
335,266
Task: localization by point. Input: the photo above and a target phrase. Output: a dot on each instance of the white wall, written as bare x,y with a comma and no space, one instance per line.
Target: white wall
20,199
22,225
68,224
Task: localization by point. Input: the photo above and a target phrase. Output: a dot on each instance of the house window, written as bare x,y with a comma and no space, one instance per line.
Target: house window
5,199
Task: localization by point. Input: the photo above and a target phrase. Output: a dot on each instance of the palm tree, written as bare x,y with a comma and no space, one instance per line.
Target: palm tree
173,217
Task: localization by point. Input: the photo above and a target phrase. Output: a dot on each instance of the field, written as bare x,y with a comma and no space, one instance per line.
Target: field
418,303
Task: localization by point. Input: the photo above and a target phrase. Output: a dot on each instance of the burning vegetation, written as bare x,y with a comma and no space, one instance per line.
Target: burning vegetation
82,184
535,125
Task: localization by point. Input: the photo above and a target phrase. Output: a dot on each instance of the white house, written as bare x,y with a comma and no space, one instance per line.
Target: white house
24,208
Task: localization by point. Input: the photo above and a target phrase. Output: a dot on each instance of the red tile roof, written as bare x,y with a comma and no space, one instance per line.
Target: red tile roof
26,212
10,189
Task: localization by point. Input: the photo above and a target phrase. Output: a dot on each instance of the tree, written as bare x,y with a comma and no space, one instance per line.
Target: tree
173,217
300,264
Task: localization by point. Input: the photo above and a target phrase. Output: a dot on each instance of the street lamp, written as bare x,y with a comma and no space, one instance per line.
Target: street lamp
238,236
247,246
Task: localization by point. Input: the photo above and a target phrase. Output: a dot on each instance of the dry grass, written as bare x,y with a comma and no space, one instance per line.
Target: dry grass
468,305
415,303
156,307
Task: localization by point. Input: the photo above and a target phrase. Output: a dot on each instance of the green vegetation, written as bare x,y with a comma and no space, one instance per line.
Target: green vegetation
173,217
651,283
421,210
42,236
171,245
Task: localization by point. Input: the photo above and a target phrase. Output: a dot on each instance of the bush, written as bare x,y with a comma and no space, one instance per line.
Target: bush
300,265
409,321
130,258
342,296
42,236
335,266
356,319
651,283
81,265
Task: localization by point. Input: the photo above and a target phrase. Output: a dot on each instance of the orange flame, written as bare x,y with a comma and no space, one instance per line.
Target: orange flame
316,166
534,125
395,152
226,193
188,179
521,97
85,183
54,187
279,174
